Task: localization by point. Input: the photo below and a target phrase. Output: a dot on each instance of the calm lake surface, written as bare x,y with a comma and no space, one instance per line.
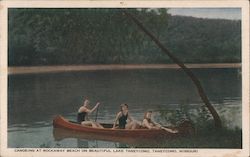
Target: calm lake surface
34,99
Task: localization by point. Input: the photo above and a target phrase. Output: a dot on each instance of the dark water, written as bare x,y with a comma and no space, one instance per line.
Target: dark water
34,99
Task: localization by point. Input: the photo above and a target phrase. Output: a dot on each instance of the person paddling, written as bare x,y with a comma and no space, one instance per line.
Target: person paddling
122,117
82,115
150,124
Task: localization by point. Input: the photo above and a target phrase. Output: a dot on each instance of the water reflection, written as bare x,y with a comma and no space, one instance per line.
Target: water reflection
61,134
121,145
85,140
82,143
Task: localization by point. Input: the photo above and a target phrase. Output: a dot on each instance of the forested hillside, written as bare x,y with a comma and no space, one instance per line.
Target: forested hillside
105,36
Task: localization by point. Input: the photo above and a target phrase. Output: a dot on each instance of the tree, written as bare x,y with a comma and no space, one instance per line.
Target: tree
195,80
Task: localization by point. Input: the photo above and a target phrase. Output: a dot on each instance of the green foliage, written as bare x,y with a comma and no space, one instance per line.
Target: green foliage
104,36
206,134
199,116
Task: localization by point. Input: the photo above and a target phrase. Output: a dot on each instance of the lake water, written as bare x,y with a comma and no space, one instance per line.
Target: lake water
34,99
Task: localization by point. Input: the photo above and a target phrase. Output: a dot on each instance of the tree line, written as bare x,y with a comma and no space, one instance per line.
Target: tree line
107,36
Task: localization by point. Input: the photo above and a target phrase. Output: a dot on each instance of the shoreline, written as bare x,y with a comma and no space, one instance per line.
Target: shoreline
68,68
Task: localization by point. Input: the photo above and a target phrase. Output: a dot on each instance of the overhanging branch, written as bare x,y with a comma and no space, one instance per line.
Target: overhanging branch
191,75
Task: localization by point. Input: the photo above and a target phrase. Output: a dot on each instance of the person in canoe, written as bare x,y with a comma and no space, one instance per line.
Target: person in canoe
122,117
82,115
150,124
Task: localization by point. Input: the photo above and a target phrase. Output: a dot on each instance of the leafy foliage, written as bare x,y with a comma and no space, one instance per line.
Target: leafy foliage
104,36
206,134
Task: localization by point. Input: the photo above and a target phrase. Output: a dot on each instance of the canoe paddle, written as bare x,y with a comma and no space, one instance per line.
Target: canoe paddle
96,114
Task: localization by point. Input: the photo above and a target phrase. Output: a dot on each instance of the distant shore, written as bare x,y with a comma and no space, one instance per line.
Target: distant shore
67,68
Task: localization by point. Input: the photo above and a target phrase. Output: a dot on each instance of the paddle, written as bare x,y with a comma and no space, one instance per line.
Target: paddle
169,130
96,114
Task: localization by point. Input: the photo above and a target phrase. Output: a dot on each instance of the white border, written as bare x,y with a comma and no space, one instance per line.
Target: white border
244,5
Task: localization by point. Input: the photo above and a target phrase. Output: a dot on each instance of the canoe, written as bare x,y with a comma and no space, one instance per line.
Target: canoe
107,133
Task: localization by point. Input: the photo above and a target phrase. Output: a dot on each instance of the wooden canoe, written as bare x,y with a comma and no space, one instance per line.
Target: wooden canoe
107,133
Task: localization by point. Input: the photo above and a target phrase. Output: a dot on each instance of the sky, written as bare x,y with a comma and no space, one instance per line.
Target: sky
215,13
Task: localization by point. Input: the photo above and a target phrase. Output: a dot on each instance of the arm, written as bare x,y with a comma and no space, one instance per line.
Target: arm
146,124
156,124
116,119
130,118
93,109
